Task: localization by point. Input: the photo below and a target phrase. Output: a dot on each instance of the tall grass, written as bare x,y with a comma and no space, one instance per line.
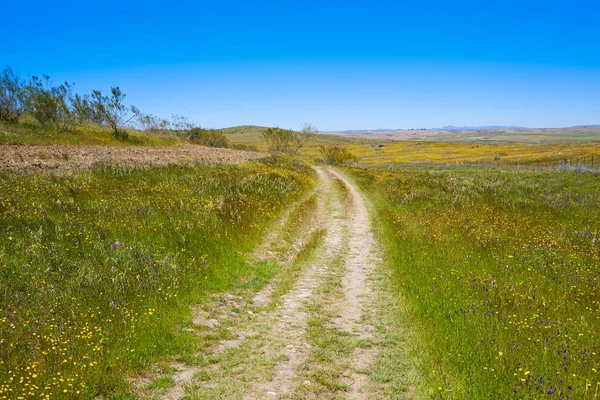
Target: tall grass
501,273
97,268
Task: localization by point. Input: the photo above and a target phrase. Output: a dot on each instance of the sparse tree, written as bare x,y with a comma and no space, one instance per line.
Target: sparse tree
307,132
113,111
84,111
284,140
13,96
180,123
50,105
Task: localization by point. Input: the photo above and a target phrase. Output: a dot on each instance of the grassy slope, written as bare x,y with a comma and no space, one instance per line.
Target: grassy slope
499,271
99,267
89,135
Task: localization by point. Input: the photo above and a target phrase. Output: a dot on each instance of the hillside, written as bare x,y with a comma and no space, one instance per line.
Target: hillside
243,129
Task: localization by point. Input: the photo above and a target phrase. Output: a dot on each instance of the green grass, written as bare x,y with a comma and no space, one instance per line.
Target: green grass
499,274
99,267
31,132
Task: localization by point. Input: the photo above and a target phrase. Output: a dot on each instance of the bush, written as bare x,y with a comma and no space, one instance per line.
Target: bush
208,137
245,147
50,105
12,96
338,155
113,110
284,140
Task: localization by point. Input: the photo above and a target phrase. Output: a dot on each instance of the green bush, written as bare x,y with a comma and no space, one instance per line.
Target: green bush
337,155
245,147
284,140
208,137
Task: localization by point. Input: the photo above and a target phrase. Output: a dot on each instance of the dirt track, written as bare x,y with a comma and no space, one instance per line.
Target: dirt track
282,351
70,156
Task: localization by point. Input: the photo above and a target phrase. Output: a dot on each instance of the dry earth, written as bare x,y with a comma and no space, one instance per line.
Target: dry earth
71,156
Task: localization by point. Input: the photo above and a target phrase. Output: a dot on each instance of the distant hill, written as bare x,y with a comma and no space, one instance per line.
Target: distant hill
479,128
243,129
369,130
445,128
585,126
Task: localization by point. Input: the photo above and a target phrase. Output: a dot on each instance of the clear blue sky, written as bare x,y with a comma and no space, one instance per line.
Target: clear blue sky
338,64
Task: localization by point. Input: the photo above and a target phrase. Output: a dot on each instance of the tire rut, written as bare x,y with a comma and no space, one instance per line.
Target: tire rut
272,351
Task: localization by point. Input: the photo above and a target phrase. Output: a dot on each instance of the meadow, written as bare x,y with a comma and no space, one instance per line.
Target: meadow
385,151
99,266
499,274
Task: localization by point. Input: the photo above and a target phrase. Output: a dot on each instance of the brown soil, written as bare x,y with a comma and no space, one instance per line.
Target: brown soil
78,156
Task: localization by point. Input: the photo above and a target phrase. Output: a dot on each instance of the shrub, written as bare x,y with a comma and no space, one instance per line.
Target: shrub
114,113
245,147
284,140
12,96
50,105
337,155
208,137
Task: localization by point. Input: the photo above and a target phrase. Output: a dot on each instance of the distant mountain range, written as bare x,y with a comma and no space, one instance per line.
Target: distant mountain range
445,128
467,128
479,128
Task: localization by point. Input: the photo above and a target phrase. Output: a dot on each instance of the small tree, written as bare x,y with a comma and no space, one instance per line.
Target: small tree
180,123
83,110
13,96
50,105
284,140
307,132
114,113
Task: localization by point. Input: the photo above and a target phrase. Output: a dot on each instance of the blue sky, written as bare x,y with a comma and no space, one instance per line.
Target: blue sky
338,64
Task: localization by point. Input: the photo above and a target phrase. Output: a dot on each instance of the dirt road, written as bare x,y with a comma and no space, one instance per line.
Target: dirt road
317,339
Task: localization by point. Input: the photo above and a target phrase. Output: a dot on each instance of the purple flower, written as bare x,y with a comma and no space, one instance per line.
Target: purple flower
118,244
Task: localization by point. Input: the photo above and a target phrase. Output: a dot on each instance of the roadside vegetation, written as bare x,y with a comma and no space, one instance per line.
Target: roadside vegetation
498,271
99,266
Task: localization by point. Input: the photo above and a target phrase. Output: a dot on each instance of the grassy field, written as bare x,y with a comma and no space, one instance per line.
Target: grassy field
98,266
499,271
459,152
371,152
479,136
534,136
